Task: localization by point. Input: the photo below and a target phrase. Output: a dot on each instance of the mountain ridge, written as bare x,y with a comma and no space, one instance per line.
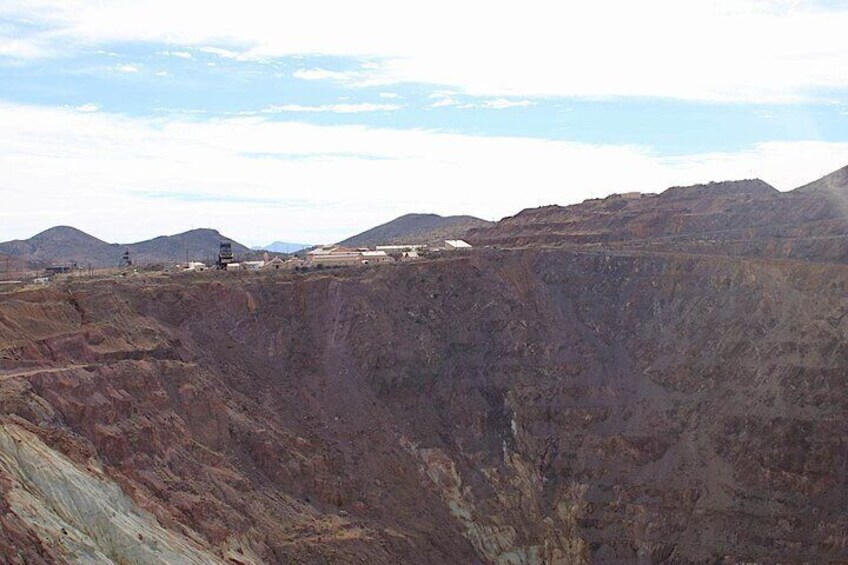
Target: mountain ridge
741,218
416,228
70,245
282,247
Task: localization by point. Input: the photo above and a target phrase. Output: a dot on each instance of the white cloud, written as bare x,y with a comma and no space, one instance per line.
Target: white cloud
324,74
163,74
86,108
175,110
126,68
443,99
389,95
447,98
21,49
334,108
501,103
444,102
225,53
178,54
258,179
755,50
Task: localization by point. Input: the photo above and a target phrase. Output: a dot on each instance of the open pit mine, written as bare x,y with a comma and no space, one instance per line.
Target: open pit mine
639,379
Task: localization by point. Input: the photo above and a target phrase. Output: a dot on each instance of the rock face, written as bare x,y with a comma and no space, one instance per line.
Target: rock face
79,511
514,407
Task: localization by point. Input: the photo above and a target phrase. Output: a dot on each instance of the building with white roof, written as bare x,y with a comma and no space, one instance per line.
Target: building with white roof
454,244
375,257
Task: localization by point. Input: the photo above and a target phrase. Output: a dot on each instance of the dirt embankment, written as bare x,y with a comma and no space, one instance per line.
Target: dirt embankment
514,407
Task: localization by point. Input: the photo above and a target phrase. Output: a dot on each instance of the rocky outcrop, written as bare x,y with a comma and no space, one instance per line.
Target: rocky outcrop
81,516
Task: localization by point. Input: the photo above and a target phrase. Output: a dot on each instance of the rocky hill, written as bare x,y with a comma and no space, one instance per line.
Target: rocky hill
747,218
430,229
61,245
199,244
66,245
12,267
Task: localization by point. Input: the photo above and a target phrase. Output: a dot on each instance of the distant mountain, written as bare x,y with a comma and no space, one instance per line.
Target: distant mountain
68,245
63,244
199,245
12,267
417,228
283,247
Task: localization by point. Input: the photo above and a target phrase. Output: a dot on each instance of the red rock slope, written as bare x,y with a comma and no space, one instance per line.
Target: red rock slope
530,406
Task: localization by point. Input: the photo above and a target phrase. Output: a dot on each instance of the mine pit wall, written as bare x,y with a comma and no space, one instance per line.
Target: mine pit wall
506,407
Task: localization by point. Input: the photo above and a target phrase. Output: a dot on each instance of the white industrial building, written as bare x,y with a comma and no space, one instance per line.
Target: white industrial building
375,257
343,256
454,244
399,248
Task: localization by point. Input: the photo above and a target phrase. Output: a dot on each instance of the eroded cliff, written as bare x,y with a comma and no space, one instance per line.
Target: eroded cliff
535,406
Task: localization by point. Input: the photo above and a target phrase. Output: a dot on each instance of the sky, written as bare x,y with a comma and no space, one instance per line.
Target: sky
311,121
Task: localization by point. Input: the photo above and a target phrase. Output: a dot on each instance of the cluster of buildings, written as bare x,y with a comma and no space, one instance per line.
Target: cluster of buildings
264,265
326,256
337,256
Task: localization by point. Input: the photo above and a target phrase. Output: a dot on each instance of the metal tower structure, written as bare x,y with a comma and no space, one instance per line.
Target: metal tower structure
125,259
225,255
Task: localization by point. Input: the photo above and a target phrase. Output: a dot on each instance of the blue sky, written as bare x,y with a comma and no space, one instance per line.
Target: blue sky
132,119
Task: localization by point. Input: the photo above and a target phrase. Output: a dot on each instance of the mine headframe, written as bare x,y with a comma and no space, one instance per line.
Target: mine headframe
125,259
225,255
